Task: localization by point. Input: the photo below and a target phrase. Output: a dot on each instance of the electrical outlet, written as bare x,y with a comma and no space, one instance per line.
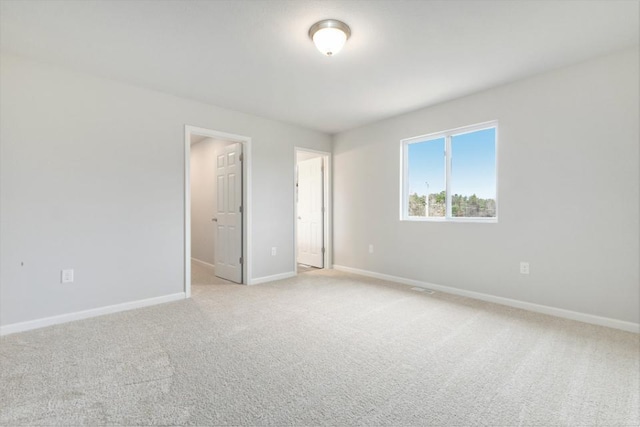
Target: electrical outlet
66,276
524,267
274,251
370,248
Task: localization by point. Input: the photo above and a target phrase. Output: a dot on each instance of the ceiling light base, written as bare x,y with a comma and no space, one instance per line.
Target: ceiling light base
329,35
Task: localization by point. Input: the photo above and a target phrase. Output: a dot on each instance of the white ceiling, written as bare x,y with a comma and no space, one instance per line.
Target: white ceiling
256,57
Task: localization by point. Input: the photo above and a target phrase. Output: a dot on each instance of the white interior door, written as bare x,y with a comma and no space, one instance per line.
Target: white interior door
310,219
228,239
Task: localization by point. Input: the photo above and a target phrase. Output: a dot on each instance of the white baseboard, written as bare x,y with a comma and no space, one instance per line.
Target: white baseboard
266,279
85,314
202,263
538,308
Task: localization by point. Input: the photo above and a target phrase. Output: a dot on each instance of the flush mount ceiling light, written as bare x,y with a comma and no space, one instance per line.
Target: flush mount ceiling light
329,35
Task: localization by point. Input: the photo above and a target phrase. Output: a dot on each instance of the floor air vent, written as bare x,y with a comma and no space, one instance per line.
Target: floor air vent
424,290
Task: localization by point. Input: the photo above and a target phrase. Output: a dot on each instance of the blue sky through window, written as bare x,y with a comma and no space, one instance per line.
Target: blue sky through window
473,164
473,169
426,165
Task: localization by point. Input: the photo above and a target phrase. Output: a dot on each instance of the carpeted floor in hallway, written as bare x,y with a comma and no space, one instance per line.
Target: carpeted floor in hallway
206,275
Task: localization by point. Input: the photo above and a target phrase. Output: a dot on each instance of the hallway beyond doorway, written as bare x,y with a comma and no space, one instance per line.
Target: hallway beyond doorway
205,275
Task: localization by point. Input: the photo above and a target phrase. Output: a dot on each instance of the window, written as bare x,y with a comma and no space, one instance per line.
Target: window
451,175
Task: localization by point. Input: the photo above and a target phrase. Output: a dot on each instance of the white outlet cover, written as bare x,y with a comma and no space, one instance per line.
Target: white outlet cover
524,267
67,276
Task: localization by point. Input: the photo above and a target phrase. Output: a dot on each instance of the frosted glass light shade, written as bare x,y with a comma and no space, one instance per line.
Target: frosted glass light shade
329,35
329,41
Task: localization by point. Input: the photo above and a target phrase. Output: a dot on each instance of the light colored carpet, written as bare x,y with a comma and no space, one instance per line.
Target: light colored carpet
303,268
206,275
325,348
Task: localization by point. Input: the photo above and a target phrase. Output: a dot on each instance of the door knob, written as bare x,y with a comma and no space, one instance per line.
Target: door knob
214,219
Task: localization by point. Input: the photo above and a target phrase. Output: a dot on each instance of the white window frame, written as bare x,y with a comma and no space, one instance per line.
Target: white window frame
404,173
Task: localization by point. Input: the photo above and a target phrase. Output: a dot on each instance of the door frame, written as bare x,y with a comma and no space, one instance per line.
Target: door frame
246,199
327,260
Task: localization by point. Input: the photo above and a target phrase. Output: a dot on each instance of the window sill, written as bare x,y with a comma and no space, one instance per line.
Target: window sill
456,219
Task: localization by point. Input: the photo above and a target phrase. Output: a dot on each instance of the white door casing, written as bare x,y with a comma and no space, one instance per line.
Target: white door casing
310,207
228,239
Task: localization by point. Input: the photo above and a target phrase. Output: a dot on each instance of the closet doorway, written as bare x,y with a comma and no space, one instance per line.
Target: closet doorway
311,209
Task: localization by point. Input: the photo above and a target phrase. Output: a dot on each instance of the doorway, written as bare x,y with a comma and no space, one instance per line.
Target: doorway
217,207
312,210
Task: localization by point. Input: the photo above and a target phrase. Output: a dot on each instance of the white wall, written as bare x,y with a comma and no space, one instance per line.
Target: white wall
568,194
92,178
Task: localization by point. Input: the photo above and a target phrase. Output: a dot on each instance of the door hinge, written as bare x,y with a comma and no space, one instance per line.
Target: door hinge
241,157
240,209
240,260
